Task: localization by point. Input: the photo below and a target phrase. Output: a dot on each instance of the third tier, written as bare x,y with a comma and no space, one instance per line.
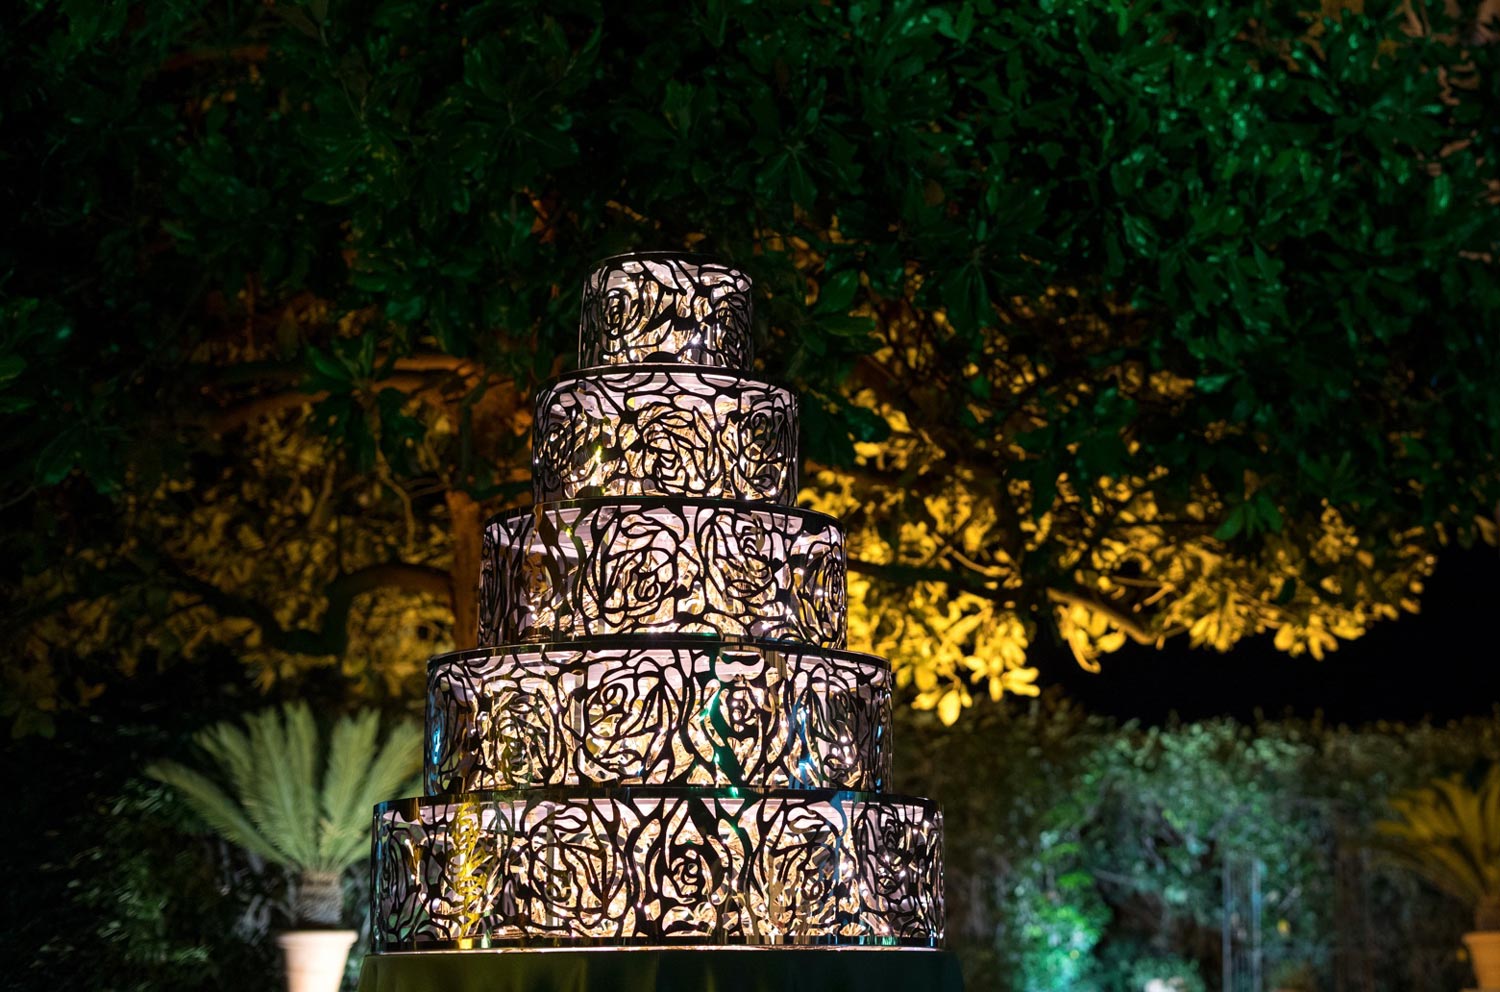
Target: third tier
665,430
658,711
594,567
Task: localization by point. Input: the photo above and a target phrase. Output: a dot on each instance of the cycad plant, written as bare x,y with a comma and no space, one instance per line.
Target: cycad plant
1449,834
277,792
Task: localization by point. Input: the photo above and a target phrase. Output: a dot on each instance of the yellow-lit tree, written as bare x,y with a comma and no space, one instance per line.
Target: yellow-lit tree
1112,323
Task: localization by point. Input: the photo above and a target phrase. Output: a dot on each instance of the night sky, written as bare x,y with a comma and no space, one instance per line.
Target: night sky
1440,664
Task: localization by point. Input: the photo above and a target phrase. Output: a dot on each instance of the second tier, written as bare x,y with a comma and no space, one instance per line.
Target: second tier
596,567
658,711
665,430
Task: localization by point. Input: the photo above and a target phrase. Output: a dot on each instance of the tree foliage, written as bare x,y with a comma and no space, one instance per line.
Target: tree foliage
1112,320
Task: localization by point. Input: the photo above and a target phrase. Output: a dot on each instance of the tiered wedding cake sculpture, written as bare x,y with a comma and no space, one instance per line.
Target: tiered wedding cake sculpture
662,740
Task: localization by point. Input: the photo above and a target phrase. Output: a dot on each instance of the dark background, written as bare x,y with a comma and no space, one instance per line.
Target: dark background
1438,664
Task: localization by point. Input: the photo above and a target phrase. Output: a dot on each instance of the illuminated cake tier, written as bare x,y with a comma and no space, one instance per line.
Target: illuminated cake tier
595,567
660,740
664,430
663,306
653,866
658,711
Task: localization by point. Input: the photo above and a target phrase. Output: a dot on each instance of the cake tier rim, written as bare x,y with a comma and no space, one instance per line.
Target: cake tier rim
673,641
543,943
554,945
668,502
406,804
713,258
751,376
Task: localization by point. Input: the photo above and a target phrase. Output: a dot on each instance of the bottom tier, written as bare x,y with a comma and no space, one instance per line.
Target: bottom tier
652,970
656,866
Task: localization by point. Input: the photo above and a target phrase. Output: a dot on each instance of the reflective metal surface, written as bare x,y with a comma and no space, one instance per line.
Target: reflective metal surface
652,866
658,711
664,306
662,430
620,566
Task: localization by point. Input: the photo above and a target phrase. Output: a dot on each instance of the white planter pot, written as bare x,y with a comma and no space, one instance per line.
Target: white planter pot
315,959
1484,954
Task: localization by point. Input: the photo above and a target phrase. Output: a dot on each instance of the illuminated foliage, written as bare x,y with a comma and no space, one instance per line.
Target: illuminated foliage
1114,322
1449,834
1102,846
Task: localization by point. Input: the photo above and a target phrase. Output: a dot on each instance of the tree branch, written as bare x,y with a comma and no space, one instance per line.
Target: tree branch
332,636
1127,624
425,376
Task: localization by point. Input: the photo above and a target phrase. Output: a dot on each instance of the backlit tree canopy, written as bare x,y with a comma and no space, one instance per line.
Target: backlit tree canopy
1112,320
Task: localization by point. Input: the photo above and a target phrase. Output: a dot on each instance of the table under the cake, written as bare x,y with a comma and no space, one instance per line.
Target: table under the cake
664,970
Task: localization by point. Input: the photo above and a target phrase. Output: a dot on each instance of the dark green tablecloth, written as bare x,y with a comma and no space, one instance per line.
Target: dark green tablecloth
731,970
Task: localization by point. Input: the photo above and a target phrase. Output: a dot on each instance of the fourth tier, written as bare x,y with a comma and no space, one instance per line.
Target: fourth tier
658,711
596,567
665,430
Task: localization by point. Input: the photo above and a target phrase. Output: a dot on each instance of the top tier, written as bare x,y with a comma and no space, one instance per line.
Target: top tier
665,307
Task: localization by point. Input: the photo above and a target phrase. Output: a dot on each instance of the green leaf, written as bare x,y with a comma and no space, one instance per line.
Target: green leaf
965,298
217,809
332,192
837,292
327,373
847,327
57,459
1232,525
1267,513
286,799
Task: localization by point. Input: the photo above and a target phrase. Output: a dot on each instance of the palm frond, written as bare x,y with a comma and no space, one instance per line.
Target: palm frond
1449,835
343,822
303,771
229,746
216,808
291,827
287,801
393,773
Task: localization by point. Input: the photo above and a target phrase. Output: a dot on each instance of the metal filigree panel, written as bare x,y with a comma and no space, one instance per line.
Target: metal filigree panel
664,431
658,712
589,568
665,306
656,866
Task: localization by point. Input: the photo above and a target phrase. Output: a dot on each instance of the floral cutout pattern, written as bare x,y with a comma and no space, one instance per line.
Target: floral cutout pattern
608,566
660,712
665,307
664,431
657,866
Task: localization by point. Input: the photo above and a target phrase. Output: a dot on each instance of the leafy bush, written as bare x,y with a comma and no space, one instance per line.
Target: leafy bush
157,914
1089,855
123,888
